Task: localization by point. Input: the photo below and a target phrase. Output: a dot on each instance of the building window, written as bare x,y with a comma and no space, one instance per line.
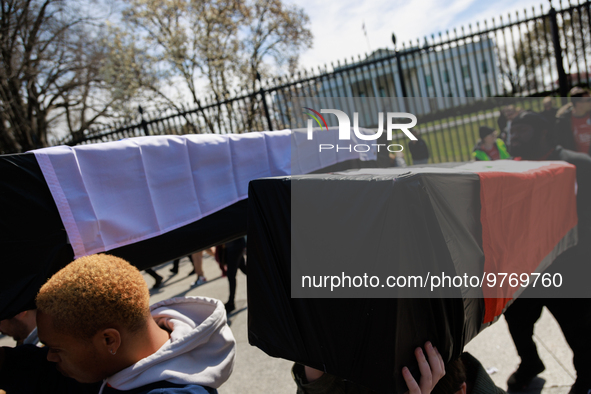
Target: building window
428,81
445,76
466,71
484,67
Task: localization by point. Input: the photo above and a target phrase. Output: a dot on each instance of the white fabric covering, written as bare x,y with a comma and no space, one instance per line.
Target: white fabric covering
118,193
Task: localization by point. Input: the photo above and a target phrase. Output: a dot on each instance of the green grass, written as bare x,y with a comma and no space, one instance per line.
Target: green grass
455,142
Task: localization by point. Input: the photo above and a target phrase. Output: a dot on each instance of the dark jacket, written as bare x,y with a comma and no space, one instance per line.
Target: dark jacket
563,131
326,384
418,149
583,164
476,376
563,128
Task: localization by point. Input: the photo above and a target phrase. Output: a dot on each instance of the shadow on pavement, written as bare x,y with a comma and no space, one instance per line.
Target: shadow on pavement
232,315
535,387
182,293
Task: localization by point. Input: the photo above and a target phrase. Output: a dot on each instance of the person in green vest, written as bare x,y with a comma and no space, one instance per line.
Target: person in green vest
490,147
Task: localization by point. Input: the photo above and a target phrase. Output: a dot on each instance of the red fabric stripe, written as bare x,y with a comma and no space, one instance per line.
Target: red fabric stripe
523,215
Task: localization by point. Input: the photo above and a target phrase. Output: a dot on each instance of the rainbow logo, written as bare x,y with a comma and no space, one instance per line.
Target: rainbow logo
316,119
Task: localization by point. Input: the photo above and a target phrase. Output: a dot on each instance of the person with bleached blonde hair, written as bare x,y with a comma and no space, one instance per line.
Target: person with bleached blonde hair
96,322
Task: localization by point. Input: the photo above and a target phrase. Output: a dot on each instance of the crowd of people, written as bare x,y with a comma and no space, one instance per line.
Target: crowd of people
97,333
94,330
570,127
552,134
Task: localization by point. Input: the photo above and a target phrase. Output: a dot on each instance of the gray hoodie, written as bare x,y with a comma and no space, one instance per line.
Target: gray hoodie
200,350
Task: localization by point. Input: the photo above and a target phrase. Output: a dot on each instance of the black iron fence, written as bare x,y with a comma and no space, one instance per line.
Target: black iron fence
533,53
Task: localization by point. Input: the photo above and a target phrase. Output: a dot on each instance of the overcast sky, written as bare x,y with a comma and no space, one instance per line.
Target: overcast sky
337,24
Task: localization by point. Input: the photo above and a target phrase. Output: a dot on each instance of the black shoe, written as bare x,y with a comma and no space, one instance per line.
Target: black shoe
524,375
174,270
229,306
158,282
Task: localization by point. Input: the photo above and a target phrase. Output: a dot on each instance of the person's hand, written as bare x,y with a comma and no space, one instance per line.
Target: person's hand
432,369
312,374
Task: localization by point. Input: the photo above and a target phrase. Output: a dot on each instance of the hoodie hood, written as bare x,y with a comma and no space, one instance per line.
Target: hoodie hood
200,350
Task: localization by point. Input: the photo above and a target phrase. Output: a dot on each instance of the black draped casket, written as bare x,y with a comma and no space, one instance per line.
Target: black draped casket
308,233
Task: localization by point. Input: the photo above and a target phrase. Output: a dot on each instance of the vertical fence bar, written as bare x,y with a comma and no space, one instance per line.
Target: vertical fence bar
562,80
574,41
582,33
539,55
531,53
455,76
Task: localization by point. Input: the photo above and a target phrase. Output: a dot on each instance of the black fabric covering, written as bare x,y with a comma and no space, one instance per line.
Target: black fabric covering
34,241
367,341
29,372
35,244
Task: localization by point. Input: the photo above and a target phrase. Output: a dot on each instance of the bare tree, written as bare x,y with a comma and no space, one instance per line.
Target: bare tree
528,63
219,46
56,72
